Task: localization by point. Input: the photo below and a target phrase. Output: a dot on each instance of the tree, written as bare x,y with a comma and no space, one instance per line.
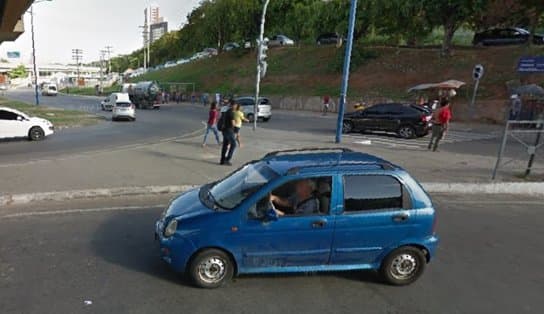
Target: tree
534,10
450,14
405,19
18,72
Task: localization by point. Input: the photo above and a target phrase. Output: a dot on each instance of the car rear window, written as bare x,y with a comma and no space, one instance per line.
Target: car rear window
123,104
372,192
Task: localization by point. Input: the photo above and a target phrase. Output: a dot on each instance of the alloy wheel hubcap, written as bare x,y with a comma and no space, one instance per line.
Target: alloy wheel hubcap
347,127
406,132
404,266
212,270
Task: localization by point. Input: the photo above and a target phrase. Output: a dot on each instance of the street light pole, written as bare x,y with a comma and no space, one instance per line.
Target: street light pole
36,91
345,80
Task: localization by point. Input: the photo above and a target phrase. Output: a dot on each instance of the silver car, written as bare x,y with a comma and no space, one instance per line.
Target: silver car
280,40
123,110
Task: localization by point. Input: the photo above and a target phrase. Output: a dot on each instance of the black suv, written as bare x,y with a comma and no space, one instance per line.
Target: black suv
408,121
329,39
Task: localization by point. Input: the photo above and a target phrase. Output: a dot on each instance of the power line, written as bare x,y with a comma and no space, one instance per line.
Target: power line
77,56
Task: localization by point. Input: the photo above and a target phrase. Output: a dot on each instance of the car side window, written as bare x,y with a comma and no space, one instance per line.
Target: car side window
6,115
373,192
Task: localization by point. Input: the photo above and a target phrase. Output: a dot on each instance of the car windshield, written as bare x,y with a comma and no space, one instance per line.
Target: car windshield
234,189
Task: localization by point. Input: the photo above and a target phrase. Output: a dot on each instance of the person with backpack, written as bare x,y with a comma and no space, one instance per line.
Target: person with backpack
226,126
441,121
213,117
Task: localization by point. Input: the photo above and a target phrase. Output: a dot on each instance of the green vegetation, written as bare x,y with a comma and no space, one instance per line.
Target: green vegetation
414,23
378,72
90,91
59,117
18,72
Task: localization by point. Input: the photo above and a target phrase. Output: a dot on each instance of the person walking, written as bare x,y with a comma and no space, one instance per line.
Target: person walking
239,118
229,138
213,116
326,104
441,121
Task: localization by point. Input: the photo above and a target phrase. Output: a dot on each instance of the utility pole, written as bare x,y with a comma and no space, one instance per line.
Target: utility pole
145,34
77,56
109,50
261,64
345,80
102,57
36,91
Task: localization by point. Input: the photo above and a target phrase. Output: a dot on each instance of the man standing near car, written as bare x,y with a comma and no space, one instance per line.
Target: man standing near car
229,138
441,121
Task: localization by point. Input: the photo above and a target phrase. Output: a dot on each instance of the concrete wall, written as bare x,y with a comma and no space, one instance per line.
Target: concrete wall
491,111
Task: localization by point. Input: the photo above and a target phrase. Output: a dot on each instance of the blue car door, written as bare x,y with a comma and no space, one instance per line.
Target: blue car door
375,215
285,243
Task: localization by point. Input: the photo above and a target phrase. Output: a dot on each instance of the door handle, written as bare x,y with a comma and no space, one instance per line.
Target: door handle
319,224
401,217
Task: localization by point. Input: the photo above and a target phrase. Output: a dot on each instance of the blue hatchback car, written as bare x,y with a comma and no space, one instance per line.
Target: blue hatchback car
300,211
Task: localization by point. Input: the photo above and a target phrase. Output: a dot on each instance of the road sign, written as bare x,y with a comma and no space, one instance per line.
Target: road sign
531,64
14,54
478,72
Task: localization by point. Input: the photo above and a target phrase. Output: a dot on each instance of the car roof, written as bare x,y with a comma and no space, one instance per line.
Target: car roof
319,159
12,110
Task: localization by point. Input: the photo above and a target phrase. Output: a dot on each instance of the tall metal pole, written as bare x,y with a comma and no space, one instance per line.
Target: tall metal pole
36,91
540,127
258,85
345,80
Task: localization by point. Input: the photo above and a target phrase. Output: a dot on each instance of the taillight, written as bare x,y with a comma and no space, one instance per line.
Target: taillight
425,118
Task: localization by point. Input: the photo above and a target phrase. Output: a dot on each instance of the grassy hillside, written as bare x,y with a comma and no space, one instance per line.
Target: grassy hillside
380,72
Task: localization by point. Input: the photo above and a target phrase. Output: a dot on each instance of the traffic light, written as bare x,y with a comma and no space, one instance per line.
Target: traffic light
478,72
262,49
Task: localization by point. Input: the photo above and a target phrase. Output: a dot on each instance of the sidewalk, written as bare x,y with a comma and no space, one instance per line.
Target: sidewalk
185,162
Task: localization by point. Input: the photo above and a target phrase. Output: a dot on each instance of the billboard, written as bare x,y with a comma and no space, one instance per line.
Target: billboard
531,64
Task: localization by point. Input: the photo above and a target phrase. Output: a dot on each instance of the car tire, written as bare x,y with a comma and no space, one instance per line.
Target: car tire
211,269
347,127
250,117
403,266
406,132
36,134
267,119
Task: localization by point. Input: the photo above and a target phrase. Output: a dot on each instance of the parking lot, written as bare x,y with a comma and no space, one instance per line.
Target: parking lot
103,252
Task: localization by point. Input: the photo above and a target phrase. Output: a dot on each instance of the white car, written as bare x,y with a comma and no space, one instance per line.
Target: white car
49,90
280,40
264,110
123,110
16,124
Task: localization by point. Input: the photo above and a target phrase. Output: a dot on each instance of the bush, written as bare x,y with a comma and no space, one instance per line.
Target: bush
359,56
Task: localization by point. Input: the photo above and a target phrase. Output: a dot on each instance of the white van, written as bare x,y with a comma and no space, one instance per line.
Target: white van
108,103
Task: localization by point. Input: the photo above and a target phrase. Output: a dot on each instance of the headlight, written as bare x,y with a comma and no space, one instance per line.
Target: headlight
171,228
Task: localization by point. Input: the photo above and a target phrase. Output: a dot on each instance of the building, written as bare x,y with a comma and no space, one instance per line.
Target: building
155,15
11,21
158,30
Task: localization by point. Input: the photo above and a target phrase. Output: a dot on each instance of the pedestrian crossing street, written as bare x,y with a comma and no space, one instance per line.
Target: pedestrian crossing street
392,141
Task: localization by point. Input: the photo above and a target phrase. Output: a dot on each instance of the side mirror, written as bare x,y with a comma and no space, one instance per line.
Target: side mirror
19,118
271,215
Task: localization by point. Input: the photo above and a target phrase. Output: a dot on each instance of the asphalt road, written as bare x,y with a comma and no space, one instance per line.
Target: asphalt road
52,261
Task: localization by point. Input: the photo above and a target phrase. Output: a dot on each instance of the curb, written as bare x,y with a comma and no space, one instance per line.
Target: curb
510,188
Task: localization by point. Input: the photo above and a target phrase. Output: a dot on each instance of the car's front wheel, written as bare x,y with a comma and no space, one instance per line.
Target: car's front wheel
267,119
403,266
36,134
211,269
347,127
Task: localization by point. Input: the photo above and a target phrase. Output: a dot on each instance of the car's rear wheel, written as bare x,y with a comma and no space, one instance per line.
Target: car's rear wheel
347,127
250,117
36,134
403,266
406,131
211,268
267,119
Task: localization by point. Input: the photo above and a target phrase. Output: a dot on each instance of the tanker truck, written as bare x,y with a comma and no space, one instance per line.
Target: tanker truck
144,95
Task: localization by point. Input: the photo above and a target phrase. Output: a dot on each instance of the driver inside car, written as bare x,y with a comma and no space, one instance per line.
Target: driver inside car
302,202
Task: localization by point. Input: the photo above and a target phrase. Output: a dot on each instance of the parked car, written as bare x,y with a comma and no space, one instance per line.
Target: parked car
264,110
505,36
231,46
108,103
16,124
182,61
123,111
329,39
408,121
280,40
210,52
49,90
170,64
363,213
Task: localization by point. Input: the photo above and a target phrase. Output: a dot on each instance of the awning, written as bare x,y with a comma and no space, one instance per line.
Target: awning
449,84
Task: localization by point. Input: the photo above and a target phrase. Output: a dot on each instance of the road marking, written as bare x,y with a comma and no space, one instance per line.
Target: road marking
81,211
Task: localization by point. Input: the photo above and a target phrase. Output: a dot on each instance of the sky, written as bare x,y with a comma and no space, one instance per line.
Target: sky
91,25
